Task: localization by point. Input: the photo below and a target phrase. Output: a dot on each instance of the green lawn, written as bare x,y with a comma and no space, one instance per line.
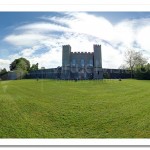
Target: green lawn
68,109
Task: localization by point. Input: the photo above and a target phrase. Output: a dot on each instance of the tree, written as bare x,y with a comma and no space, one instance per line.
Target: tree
123,66
133,59
142,72
34,67
21,66
3,71
3,74
20,63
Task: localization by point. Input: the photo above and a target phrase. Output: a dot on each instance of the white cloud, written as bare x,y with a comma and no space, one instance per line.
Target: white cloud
81,31
87,24
4,64
50,59
143,37
112,58
124,33
29,51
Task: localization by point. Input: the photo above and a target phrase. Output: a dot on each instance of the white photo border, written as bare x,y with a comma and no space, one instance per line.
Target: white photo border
72,5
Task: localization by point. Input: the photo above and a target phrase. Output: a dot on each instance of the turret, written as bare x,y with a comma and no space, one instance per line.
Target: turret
66,51
97,56
98,74
66,54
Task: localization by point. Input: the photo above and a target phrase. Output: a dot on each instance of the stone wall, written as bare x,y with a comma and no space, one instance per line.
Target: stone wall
117,73
55,73
81,59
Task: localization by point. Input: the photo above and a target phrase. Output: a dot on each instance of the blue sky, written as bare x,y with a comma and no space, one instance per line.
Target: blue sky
39,36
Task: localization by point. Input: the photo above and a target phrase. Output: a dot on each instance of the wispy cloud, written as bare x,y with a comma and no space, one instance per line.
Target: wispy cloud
81,31
25,39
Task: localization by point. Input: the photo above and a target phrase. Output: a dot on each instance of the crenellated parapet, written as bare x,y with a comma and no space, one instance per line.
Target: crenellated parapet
66,45
81,52
97,45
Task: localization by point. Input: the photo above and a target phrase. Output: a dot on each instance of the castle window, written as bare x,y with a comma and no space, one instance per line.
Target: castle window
91,63
82,62
98,72
73,62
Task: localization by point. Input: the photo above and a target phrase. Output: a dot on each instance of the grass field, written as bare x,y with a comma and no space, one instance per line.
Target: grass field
68,109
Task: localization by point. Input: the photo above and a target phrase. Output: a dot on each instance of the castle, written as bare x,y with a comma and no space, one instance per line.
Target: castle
79,65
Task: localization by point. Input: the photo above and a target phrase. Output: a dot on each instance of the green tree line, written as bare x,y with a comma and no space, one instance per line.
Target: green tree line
20,66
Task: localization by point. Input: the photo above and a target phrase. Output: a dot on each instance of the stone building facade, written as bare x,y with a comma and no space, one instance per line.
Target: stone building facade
79,65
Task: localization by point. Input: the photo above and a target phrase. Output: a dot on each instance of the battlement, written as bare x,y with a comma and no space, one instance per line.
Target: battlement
81,52
66,46
97,45
90,52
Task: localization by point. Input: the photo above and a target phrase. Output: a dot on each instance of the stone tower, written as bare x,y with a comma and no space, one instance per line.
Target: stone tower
98,73
66,52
